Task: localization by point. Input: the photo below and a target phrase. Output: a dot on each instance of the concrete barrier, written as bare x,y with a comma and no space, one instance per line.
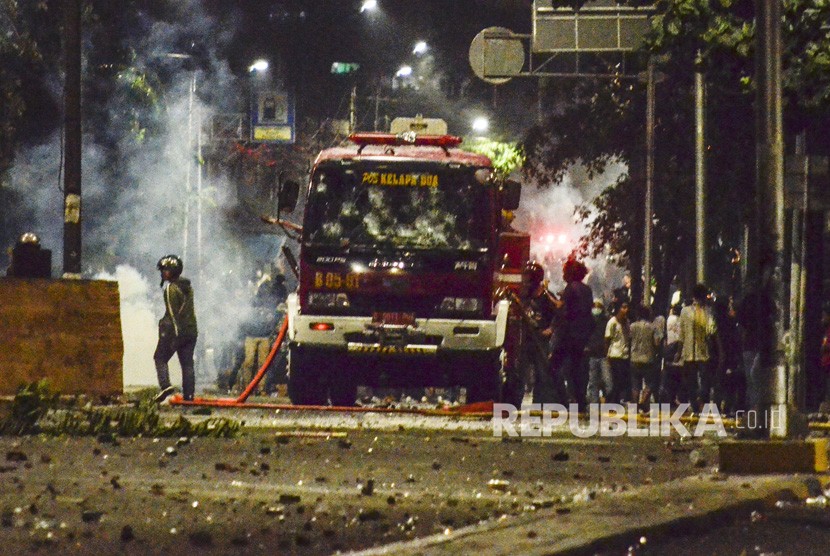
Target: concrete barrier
66,331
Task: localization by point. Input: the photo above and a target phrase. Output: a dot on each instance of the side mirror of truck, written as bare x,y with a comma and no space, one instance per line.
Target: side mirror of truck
511,193
288,194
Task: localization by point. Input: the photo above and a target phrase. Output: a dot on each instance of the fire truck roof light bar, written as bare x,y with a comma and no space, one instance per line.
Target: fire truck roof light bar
408,138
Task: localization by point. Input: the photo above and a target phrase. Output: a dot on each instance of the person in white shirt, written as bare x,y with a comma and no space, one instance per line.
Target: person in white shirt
671,378
618,341
644,343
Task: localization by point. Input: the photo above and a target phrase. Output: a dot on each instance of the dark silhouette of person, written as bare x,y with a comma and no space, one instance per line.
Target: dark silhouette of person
575,323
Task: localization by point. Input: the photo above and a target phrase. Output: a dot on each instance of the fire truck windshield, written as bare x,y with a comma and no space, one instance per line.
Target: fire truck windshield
395,204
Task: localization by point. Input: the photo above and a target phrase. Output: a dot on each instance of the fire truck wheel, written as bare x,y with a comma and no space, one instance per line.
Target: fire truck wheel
343,390
484,382
306,378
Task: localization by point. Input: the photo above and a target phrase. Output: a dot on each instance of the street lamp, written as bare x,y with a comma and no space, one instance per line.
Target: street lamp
481,124
369,6
258,66
405,71
192,114
420,48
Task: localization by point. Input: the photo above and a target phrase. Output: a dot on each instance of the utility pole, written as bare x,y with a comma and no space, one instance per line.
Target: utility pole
700,172
377,108
72,141
798,282
352,110
649,201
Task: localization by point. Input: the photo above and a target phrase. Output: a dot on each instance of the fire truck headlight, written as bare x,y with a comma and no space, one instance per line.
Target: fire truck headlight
328,299
468,305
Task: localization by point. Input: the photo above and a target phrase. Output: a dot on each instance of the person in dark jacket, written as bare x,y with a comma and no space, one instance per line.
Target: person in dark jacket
730,385
539,306
177,328
575,323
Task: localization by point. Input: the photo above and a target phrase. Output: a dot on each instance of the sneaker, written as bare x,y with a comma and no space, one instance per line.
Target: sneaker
164,394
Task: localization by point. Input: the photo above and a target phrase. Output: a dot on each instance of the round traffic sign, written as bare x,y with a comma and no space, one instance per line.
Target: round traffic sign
496,51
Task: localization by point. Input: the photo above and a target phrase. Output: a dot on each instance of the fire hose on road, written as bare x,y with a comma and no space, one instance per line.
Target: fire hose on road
483,409
476,410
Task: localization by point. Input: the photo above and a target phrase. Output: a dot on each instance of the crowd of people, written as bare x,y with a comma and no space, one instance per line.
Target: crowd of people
576,349
243,356
581,350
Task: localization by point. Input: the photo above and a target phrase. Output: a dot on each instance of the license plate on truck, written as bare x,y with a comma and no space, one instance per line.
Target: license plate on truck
396,319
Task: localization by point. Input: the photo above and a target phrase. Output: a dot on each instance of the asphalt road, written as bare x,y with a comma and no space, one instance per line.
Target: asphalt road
797,530
308,483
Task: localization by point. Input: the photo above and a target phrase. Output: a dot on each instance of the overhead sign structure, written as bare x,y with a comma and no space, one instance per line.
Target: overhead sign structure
599,26
272,117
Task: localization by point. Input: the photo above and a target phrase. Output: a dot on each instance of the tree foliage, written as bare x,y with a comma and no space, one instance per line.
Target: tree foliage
17,50
506,157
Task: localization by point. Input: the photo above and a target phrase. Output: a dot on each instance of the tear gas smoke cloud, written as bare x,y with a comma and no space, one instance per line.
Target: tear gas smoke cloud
138,326
547,213
135,213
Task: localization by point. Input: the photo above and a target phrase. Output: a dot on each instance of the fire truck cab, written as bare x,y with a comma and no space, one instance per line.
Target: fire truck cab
402,263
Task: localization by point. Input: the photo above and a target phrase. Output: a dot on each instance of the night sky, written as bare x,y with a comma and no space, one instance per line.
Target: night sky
305,37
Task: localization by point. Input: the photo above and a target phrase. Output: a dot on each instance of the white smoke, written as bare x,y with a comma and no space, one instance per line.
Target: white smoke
132,220
138,327
547,212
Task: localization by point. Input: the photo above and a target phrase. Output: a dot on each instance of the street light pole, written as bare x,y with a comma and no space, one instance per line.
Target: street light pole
649,201
198,192
700,172
188,176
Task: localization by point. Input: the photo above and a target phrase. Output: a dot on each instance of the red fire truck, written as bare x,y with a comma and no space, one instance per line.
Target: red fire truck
404,263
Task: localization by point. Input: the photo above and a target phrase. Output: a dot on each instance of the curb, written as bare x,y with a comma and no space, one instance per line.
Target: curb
617,520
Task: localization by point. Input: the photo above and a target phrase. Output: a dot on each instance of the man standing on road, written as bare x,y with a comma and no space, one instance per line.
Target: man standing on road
573,330
540,306
671,379
177,328
644,343
697,330
618,341
599,373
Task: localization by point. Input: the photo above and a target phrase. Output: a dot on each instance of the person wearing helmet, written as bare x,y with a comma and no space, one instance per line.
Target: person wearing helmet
540,307
28,259
177,328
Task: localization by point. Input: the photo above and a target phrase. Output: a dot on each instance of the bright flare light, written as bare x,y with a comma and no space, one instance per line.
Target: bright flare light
369,6
405,71
562,238
259,65
420,47
481,124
